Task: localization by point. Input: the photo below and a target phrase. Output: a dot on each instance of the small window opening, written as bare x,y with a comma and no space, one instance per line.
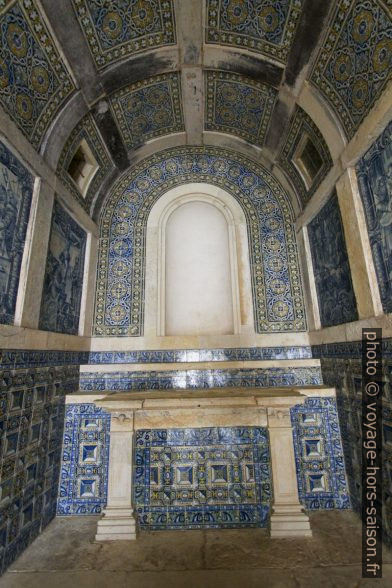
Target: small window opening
83,167
307,160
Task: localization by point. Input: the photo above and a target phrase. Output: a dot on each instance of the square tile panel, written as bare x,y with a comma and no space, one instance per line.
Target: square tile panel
319,456
202,478
84,471
120,28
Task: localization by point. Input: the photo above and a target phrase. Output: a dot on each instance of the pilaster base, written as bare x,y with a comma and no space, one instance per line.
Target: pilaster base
289,521
116,524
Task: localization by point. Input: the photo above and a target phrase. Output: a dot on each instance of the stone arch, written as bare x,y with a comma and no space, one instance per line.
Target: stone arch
278,304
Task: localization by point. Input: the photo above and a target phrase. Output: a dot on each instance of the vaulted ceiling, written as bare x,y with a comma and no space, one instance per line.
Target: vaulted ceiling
132,77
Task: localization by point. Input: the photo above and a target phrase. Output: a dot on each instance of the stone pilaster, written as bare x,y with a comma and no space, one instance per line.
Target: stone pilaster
118,521
288,518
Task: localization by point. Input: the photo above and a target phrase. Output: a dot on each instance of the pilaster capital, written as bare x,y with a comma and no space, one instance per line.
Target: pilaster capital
122,421
279,416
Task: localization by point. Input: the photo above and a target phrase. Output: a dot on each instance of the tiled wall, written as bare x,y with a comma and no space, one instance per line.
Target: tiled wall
342,367
331,267
62,292
85,459
31,431
16,190
203,478
321,474
375,183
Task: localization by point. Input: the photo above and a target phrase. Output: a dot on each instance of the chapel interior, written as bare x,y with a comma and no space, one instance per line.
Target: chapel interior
195,228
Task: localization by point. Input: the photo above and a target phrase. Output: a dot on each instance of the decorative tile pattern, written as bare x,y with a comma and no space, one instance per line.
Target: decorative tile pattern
85,461
16,190
277,290
198,355
202,478
238,105
346,375
21,358
354,63
375,183
88,131
148,109
60,307
117,29
34,82
319,456
261,25
301,124
348,350
31,425
332,274
191,379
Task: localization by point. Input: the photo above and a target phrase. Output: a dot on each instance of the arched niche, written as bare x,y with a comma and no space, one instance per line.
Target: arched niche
227,217
122,297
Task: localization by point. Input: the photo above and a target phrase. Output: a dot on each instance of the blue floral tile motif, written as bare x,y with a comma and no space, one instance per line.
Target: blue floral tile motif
354,63
331,267
117,29
348,350
238,105
85,460
302,125
86,130
148,109
202,478
62,293
375,183
199,355
31,431
193,379
261,25
34,82
277,289
321,473
16,190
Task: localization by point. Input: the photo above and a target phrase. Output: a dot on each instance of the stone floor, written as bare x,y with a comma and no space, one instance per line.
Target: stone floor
66,556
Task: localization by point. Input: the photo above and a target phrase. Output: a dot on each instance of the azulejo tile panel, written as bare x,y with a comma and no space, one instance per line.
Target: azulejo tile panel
193,379
375,183
34,82
354,63
31,429
148,109
331,267
62,292
85,460
260,25
345,374
16,190
21,358
321,473
238,105
302,125
86,130
277,288
202,478
198,355
117,29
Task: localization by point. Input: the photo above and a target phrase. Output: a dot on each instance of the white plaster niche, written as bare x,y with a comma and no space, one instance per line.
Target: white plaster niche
198,290
197,264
